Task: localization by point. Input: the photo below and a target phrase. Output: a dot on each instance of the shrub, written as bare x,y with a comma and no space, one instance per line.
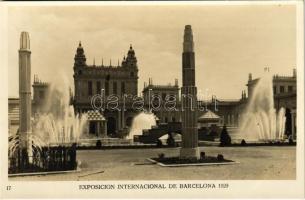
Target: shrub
98,144
290,140
161,155
202,155
220,157
225,139
170,140
243,143
159,143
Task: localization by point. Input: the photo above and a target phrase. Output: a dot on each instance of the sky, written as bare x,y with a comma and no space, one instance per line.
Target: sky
230,41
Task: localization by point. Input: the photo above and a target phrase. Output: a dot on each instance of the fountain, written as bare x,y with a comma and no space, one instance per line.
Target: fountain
142,121
58,124
53,139
261,122
47,141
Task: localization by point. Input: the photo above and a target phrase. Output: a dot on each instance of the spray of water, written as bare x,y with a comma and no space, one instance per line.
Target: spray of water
142,121
260,120
56,124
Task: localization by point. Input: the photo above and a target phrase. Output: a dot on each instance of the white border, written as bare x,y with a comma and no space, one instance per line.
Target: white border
237,189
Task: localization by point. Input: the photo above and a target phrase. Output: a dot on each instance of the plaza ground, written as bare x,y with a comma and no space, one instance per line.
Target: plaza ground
255,163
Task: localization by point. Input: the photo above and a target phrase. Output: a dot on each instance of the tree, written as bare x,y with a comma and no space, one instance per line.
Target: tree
170,140
225,139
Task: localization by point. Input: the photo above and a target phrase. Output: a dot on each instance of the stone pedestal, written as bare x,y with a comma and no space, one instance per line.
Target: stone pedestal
190,153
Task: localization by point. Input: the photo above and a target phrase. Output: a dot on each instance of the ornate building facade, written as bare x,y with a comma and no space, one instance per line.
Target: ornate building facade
229,110
112,83
163,100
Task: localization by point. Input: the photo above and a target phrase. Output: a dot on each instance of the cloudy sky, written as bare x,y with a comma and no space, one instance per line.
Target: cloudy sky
230,41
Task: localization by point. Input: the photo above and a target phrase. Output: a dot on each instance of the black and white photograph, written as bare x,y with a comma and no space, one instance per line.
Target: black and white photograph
122,94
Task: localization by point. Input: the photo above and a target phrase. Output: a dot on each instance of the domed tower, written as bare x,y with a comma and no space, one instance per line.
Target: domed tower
79,65
131,60
131,67
80,58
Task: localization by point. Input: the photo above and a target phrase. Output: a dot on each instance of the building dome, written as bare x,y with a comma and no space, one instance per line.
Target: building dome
80,58
80,49
209,116
95,115
131,52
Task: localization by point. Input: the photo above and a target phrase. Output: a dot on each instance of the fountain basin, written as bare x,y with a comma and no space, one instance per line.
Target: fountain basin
263,143
184,162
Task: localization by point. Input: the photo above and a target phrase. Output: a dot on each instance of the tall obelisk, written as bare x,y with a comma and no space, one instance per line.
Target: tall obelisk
189,147
25,94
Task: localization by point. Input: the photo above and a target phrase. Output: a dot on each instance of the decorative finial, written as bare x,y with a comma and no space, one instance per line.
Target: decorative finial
188,44
294,73
24,41
118,62
266,69
94,61
80,44
176,82
110,62
130,46
102,62
250,77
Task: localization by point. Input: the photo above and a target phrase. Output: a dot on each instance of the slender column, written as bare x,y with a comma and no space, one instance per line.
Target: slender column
293,132
189,148
25,95
105,129
123,118
98,127
119,120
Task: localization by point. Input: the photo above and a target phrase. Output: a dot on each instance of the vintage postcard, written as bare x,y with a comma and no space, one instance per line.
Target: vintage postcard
152,99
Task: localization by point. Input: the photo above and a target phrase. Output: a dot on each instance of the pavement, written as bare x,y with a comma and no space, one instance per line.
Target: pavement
255,163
